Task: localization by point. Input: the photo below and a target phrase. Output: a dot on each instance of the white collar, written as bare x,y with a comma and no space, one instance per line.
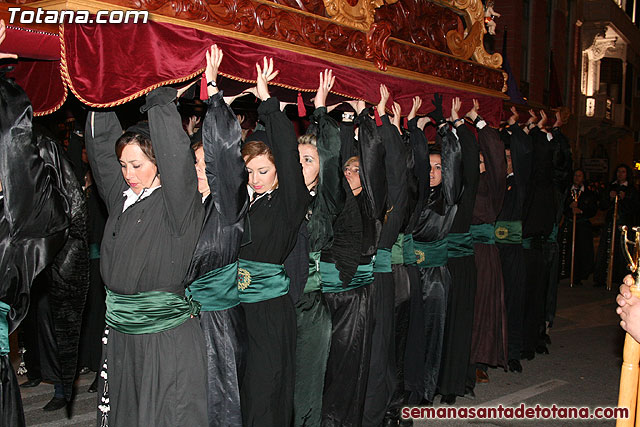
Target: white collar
511,174
625,183
132,197
573,187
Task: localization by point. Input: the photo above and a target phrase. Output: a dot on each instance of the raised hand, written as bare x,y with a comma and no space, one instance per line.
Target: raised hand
456,104
395,119
327,79
543,119
384,97
417,103
422,122
3,34
191,125
473,113
513,119
265,75
214,58
558,122
437,114
532,117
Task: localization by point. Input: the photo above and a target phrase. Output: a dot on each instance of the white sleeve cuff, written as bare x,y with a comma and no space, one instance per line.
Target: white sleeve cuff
481,124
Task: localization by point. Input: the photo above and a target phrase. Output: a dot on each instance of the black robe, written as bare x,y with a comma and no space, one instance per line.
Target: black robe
382,368
35,217
437,209
512,255
539,219
355,240
275,218
489,342
148,247
461,297
218,245
584,256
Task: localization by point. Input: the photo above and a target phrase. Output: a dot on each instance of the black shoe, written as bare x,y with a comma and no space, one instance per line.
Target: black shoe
405,423
469,393
84,370
31,383
448,399
93,387
542,349
55,403
578,283
514,365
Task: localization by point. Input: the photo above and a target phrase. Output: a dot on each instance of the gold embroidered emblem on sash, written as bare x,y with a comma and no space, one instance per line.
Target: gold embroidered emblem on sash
420,255
502,232
244,279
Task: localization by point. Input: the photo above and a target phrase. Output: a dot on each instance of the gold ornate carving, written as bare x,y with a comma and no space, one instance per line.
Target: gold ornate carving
359,16
471,44
464,47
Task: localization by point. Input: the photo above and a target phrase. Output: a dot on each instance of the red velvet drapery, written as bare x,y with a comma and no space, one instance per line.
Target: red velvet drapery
108,64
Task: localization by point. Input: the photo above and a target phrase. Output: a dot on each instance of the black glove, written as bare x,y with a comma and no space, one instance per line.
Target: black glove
437,114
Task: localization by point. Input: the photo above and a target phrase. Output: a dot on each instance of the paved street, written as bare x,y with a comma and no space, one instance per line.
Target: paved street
582,369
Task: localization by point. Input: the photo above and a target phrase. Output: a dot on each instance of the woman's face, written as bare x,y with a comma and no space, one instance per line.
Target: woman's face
435,177
352,173
262,173
203,184
137,169
621,174
310,164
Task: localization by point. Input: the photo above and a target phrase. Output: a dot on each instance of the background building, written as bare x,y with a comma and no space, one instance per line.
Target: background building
585,55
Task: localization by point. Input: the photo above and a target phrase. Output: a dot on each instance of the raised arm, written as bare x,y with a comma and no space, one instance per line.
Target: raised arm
494,161
221,140
420,148
521,152
174,157
284,145
330,187
371,153
457,150
101,133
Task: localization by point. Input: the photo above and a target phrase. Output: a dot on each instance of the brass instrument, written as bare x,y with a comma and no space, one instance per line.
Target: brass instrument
613,241
575,194
628,395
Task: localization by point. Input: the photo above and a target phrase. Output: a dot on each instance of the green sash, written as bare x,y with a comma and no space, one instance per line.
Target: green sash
483,233
331,277
459,245
431,254
94,251
526,243
508,232
409,250
261,281
314,280
4,329
553,236
148,312
216,290
397,250
382,261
